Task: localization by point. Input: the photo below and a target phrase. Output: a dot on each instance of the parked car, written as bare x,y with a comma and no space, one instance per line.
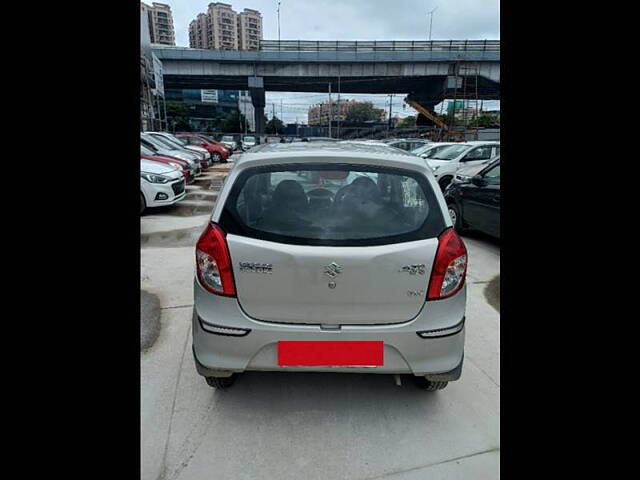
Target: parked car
202,154
230,142
298,297
183,165
219,152
465,174
407,144
206,160
476,204
319,139
431,149
248,142
165,149
160,184
366,142
448,161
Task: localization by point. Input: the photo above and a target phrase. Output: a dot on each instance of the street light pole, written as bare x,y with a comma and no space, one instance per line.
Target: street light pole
431,21
278,23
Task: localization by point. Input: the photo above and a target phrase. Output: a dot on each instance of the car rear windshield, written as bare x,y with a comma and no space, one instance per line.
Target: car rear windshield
335,204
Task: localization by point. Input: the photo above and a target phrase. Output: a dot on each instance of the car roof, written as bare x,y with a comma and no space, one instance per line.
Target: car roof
329,152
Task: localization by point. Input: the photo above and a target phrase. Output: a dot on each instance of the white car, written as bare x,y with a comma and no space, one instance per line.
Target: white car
160,148
160,184
431,149
448,161
248,142
205,157
229,142
361,271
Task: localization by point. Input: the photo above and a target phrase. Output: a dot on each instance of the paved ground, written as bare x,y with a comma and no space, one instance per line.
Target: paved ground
312,426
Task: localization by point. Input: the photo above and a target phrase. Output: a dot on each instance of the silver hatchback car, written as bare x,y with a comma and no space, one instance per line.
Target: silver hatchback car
330,257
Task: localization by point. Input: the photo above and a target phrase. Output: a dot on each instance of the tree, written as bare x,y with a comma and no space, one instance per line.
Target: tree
364,112
178,115
409,121
233,122
274,125
484,120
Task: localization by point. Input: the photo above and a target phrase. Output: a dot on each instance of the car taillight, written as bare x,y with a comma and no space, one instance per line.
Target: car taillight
450,266
213,262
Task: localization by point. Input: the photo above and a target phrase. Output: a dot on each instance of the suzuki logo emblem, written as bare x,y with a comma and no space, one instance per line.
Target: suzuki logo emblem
332,270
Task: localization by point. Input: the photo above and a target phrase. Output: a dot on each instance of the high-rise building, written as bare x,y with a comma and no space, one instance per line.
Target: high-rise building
249,29
161,24
221,28
225,28
200,34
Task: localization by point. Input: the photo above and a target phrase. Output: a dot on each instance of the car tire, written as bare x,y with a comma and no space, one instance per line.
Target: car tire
456,217
424,384
216,157
444,182
143,204
221,382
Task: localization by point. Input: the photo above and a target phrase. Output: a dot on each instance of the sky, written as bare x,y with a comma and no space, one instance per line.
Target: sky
355,20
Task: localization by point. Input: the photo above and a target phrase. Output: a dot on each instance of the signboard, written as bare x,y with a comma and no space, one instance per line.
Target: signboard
209,96
157,74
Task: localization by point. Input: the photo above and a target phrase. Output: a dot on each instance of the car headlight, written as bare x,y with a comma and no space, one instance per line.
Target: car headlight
153,178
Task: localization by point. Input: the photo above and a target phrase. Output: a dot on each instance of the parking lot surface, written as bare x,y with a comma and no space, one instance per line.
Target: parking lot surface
314,425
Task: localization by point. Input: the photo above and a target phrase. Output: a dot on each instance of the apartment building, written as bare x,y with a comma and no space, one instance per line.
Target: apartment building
221,28
249,29
200,33
161,23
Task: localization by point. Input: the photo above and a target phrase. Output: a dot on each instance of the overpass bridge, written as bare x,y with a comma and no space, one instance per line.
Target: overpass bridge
429,71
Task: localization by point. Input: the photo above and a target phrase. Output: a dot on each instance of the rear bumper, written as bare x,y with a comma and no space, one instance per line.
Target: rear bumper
404,351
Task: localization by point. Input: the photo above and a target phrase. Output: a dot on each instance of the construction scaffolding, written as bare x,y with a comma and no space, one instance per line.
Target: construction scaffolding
153,110
467,92
463,85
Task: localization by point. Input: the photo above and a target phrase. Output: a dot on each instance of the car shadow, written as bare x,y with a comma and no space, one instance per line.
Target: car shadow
274,393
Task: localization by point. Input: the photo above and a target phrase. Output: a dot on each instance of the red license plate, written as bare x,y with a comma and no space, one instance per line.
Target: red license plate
331,354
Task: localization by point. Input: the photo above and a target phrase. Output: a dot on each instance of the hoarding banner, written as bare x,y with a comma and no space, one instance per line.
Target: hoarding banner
209,96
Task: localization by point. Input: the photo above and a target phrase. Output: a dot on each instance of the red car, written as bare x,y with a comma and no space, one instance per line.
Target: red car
219,153
184,166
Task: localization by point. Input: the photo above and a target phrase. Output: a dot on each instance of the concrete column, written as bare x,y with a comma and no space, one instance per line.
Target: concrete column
256,88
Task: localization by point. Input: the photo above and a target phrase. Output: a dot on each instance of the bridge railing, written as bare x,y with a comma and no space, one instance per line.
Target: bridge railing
378,45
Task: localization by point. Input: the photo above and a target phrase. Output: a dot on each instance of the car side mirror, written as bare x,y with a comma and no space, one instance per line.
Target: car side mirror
478,181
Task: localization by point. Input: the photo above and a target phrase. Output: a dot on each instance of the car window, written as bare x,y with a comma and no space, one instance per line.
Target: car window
159,139
332,205
492,175
450,152
479,153
146,151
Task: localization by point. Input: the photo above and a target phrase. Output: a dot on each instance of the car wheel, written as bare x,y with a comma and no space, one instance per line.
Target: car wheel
444,182
143,204
456,217
221,382
216,157
424,384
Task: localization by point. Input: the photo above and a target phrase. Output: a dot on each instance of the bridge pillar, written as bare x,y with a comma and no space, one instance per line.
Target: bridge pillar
256,88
